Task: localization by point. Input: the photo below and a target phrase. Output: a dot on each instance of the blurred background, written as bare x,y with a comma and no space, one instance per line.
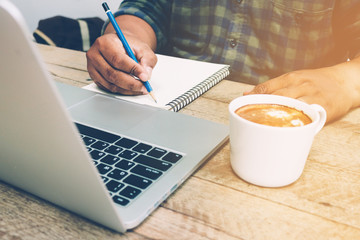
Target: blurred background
35,10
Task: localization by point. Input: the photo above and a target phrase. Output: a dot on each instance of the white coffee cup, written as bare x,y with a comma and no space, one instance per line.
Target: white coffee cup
271,156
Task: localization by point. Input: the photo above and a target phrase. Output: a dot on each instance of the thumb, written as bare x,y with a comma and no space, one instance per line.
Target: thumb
148,64
268,87
247,92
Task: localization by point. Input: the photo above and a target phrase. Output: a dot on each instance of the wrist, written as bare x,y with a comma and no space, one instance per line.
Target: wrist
348,74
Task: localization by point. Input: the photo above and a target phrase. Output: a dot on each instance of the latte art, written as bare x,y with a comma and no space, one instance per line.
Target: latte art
273,115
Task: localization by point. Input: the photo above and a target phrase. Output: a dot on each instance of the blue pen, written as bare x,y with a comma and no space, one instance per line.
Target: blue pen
125,43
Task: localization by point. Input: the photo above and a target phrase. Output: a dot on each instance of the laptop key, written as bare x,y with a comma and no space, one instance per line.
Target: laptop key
103,169
109,159
146,172
142,148
125,165
96,155
152,162
130,192
120,200
126,143
157,152
114,186
127,154
137,181
117,174
88,141
100,145
114,150
97,133
172,157
105,179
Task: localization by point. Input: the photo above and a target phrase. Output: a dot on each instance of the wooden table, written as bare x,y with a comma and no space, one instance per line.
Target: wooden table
214,203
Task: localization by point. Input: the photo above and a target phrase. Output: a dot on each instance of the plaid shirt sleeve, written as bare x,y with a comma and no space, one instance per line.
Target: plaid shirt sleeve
155,13
347,27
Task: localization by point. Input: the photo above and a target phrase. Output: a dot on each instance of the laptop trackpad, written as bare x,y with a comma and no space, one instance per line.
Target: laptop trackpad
110,113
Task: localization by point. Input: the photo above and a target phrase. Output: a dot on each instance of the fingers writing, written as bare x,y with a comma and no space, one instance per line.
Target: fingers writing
112,69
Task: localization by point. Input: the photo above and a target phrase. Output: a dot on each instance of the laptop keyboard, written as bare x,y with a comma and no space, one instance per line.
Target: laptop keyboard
127,166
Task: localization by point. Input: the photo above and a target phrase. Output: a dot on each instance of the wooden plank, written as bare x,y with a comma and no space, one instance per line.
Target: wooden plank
226,90
69,76
209,109
338,144
63,57
244,216
24,216
322,190
166,223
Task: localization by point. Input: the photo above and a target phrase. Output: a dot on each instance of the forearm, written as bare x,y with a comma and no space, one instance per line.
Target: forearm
349,74
136,28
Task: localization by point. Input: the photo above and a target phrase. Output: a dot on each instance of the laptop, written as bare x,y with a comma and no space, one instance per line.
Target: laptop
108,160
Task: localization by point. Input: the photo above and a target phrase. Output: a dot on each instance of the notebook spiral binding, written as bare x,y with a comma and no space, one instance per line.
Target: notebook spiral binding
195,92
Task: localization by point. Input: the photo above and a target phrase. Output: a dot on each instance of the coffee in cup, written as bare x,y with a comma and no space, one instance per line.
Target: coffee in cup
275,115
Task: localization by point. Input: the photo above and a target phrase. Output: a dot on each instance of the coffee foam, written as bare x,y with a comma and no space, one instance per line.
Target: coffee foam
273,115
285,115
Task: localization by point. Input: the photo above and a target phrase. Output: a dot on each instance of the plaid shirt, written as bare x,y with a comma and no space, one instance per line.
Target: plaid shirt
260,39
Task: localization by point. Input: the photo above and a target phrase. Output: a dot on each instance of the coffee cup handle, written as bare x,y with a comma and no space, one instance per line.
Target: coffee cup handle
322,116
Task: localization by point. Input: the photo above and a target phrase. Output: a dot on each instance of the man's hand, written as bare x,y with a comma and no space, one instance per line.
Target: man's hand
336,88
111,68
109,65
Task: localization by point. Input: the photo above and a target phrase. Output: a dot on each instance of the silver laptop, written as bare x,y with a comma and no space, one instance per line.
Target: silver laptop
108,160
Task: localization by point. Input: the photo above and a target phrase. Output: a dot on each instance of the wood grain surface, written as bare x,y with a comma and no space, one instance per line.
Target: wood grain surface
214,203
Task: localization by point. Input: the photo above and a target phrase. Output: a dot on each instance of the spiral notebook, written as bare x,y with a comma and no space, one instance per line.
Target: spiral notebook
176,82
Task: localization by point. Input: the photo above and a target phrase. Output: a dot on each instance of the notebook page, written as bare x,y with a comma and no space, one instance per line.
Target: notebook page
171,78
